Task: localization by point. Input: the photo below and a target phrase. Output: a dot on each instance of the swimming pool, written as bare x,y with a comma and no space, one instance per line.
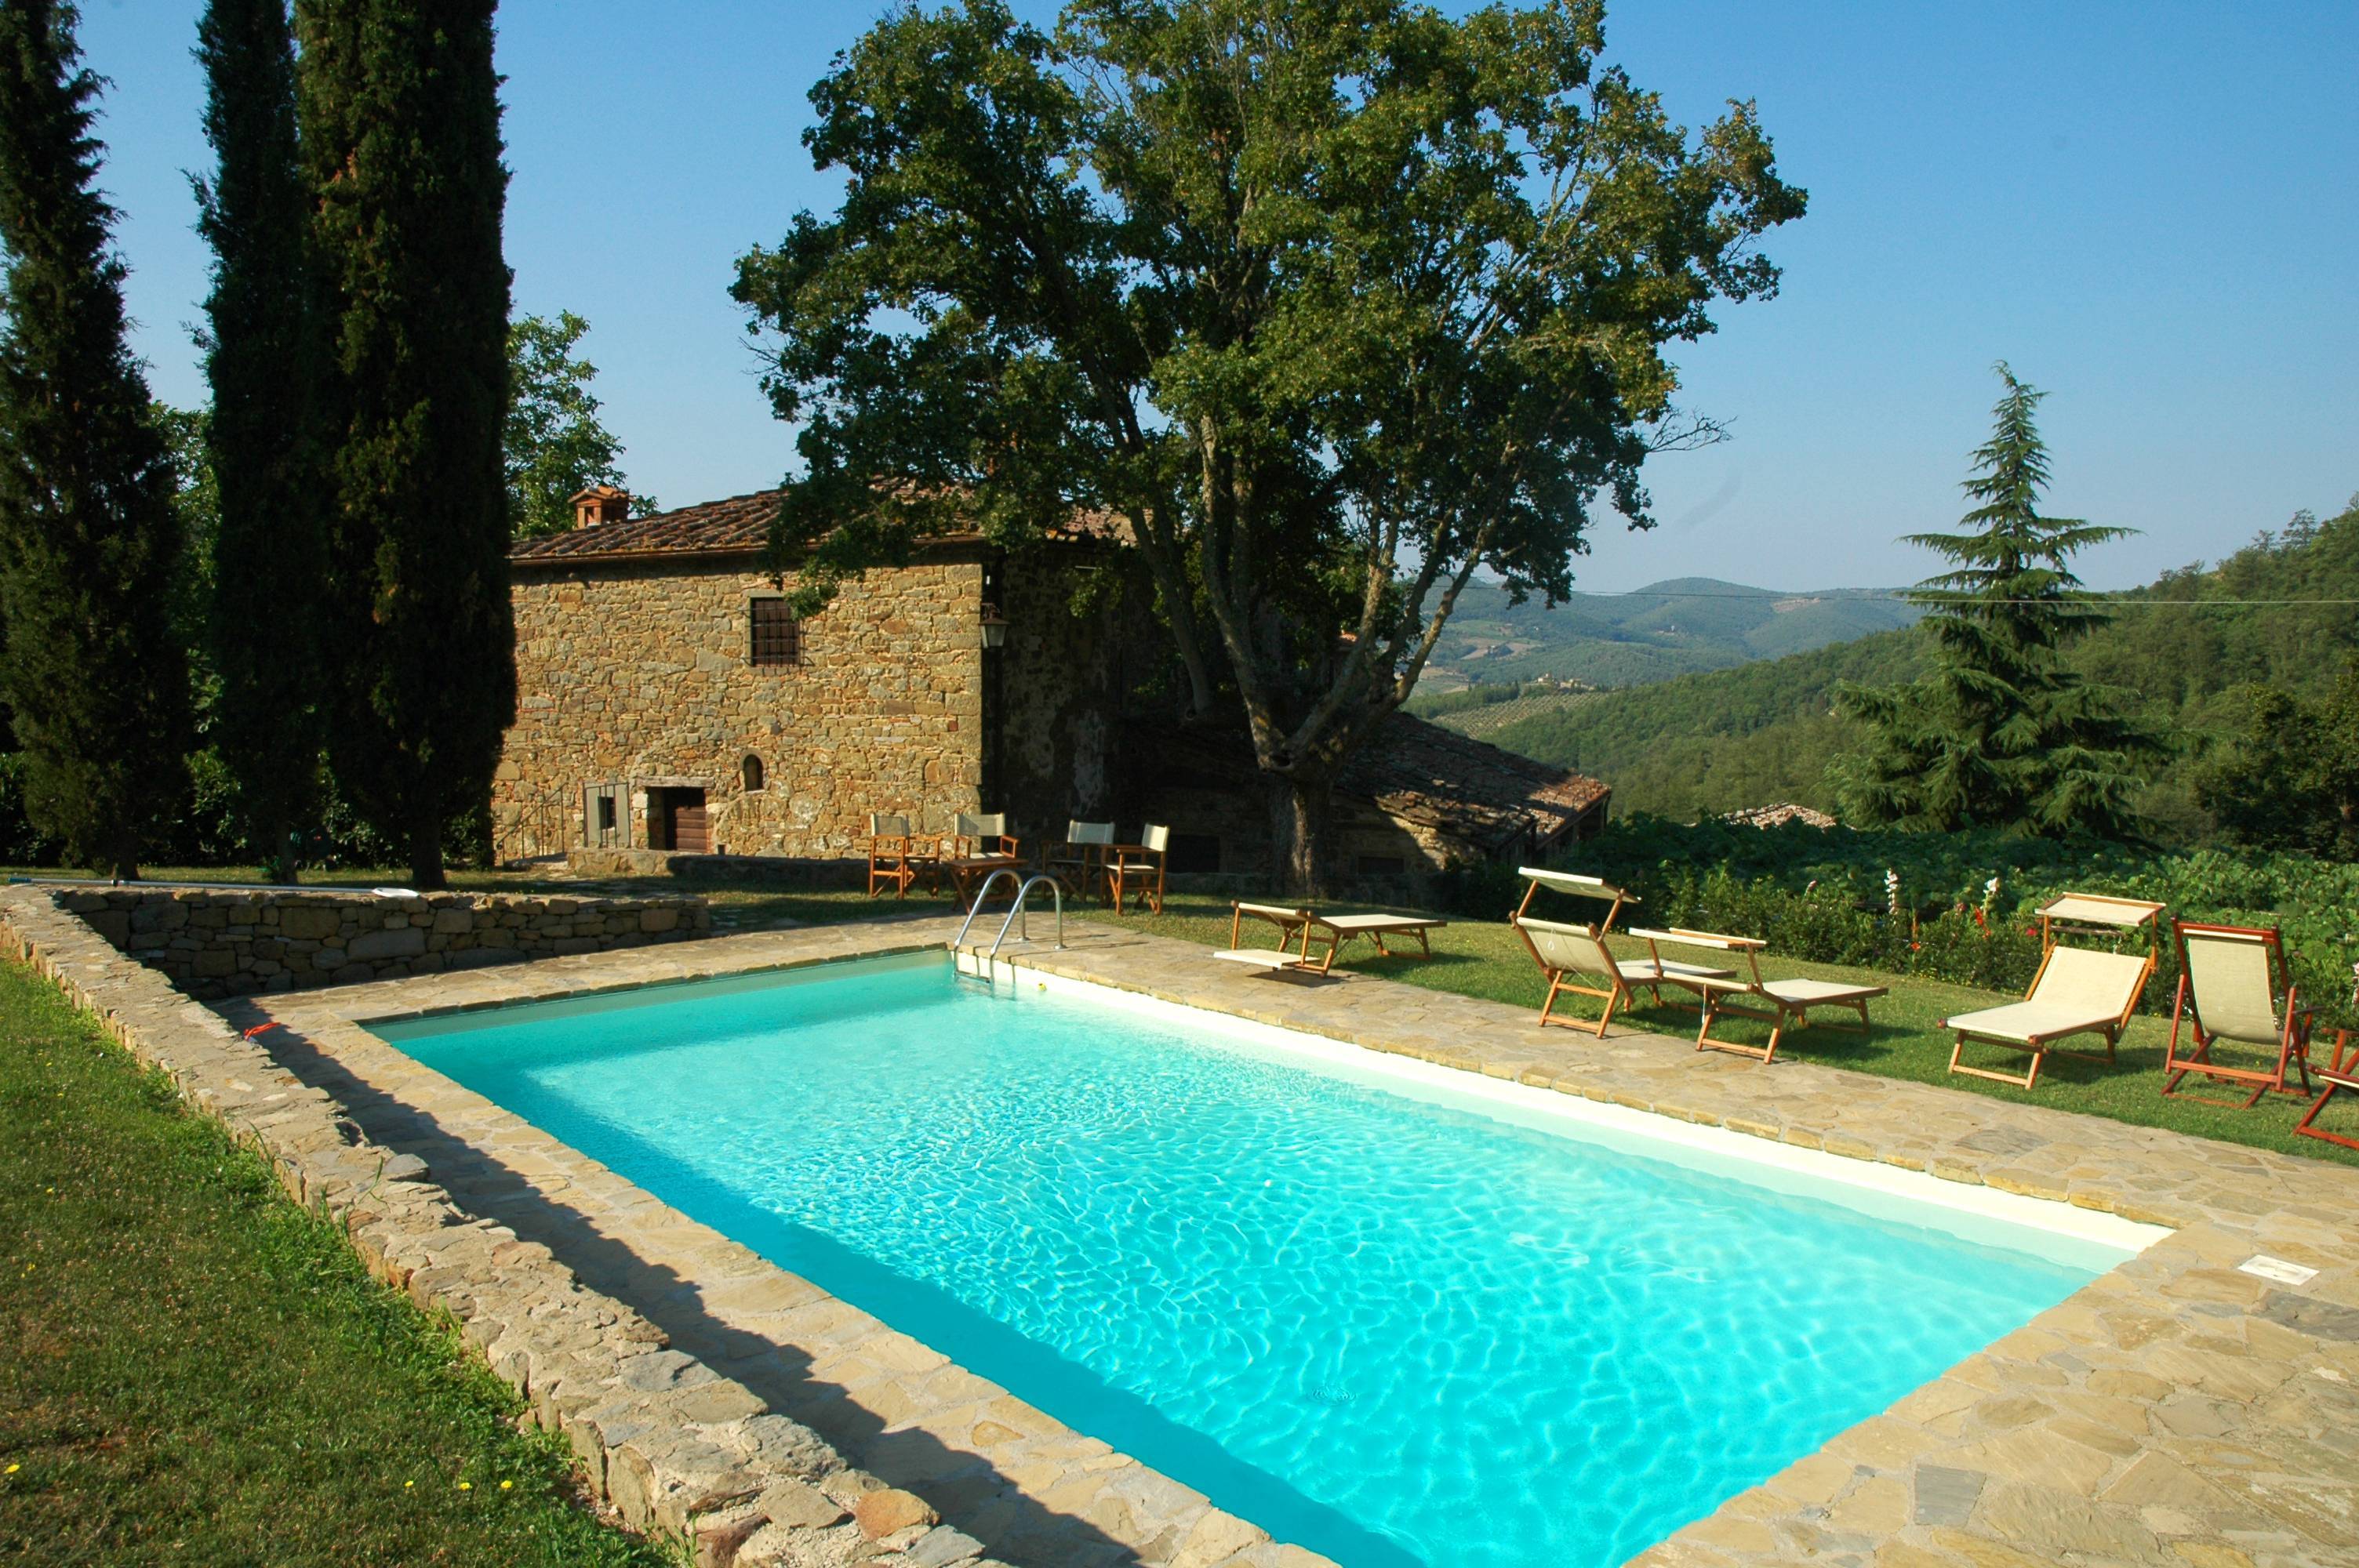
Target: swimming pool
1396,1323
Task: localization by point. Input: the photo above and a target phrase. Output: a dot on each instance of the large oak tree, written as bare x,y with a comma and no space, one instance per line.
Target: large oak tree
1336,301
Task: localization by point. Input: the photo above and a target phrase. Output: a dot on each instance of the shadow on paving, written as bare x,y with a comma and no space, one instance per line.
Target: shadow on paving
968,1490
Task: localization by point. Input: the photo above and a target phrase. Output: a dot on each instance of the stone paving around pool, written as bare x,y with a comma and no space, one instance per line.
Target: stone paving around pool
2180,1410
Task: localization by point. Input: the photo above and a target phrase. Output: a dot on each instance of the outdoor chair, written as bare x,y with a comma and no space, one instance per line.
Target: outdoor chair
895,859
1292,924
1138,868
2341,1073
1303,927
1781,1004
978,846
2235,985
1568,954
1079,861
2078,991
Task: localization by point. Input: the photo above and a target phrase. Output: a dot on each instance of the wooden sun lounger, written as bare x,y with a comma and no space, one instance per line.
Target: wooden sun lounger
2340,1072
2235,985
1564,952
1304,927
2078,991
1781,1004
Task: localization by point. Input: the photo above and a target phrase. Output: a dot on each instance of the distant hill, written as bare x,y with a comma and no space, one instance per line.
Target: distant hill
1664,630
2182,648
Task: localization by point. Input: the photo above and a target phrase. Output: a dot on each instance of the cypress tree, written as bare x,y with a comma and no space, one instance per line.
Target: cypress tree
267,566
89,538
2003,733
400,129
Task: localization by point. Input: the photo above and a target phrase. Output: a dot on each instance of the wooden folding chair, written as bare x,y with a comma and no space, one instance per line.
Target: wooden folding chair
2341,1073
2234,985
1138,868
894,859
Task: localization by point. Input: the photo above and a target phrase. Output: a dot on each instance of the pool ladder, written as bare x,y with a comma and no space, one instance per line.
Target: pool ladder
1015,912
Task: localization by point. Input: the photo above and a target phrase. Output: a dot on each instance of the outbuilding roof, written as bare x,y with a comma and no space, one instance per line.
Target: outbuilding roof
739,526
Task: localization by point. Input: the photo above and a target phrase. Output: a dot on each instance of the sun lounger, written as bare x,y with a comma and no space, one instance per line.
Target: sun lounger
1568,954
1781,1004
2232,980
1302,928
2341,1073
1564,952
2079,991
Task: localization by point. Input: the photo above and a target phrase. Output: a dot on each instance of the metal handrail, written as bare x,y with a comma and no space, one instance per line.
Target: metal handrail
960,940
1056,890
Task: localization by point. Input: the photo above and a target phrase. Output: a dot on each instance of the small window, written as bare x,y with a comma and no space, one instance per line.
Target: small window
1194,852
1381,866
749,773
778,635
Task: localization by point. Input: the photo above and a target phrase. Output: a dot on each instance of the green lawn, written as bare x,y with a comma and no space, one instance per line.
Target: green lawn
195,1371
1486,958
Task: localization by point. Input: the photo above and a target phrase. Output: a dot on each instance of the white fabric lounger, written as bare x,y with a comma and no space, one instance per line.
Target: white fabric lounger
1564,951
1781,1004
2078,991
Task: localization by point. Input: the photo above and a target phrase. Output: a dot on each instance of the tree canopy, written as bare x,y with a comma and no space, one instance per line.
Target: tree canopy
268,576
2002,731
90,541
400,133
1334,302
555,445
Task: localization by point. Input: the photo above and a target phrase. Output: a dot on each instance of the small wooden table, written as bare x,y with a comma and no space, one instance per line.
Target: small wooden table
969,872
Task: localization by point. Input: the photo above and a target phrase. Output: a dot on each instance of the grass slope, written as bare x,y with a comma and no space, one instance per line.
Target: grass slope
2180,650
1485,958
194,1371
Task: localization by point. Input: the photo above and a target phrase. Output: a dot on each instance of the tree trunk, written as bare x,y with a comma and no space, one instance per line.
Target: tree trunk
279,853
1298,821
426,854
125,858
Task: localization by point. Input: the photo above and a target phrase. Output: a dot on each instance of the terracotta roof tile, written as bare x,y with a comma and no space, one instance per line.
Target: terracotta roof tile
737,527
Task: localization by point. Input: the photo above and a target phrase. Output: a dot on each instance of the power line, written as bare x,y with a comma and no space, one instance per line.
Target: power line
2097,601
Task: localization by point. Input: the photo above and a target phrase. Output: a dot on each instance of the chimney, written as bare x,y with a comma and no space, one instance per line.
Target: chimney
601,503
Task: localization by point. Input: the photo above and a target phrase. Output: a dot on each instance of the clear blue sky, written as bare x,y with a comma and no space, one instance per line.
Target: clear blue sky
2145,207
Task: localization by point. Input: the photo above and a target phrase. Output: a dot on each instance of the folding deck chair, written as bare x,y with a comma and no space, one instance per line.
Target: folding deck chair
1564,951
895,859
2341,1073
1745,994
2078,991
2232,981
1305,926
979,846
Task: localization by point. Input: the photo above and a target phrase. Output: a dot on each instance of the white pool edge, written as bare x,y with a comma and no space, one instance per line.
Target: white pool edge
2068,1222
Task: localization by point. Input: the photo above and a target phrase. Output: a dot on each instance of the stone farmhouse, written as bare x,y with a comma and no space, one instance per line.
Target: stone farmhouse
670,703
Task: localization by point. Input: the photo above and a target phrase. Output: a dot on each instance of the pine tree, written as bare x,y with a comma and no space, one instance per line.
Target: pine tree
400,126
2002,733
89,538
268,571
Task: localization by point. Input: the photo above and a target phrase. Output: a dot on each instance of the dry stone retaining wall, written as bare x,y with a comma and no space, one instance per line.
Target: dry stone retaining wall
671,1444
219,941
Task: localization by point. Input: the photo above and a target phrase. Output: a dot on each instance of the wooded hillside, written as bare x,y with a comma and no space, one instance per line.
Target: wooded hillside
2276,613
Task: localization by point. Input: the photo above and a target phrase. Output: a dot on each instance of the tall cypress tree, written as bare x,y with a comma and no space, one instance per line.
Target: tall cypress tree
400,125
89,539
2003,733
268,557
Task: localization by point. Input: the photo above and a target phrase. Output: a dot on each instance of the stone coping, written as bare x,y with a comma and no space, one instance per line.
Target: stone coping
2179,1410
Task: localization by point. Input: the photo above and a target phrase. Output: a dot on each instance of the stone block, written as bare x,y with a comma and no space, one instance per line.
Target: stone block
389,944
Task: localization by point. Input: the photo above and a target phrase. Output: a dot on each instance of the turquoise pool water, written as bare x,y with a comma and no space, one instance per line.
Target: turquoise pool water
1394,1329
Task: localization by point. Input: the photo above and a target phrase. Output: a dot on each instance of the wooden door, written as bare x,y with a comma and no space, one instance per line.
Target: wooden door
688,833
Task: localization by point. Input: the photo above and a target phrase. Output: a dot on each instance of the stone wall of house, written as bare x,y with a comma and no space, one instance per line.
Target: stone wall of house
231,942
641,674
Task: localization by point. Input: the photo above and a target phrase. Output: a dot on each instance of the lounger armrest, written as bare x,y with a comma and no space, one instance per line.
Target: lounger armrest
1687,939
